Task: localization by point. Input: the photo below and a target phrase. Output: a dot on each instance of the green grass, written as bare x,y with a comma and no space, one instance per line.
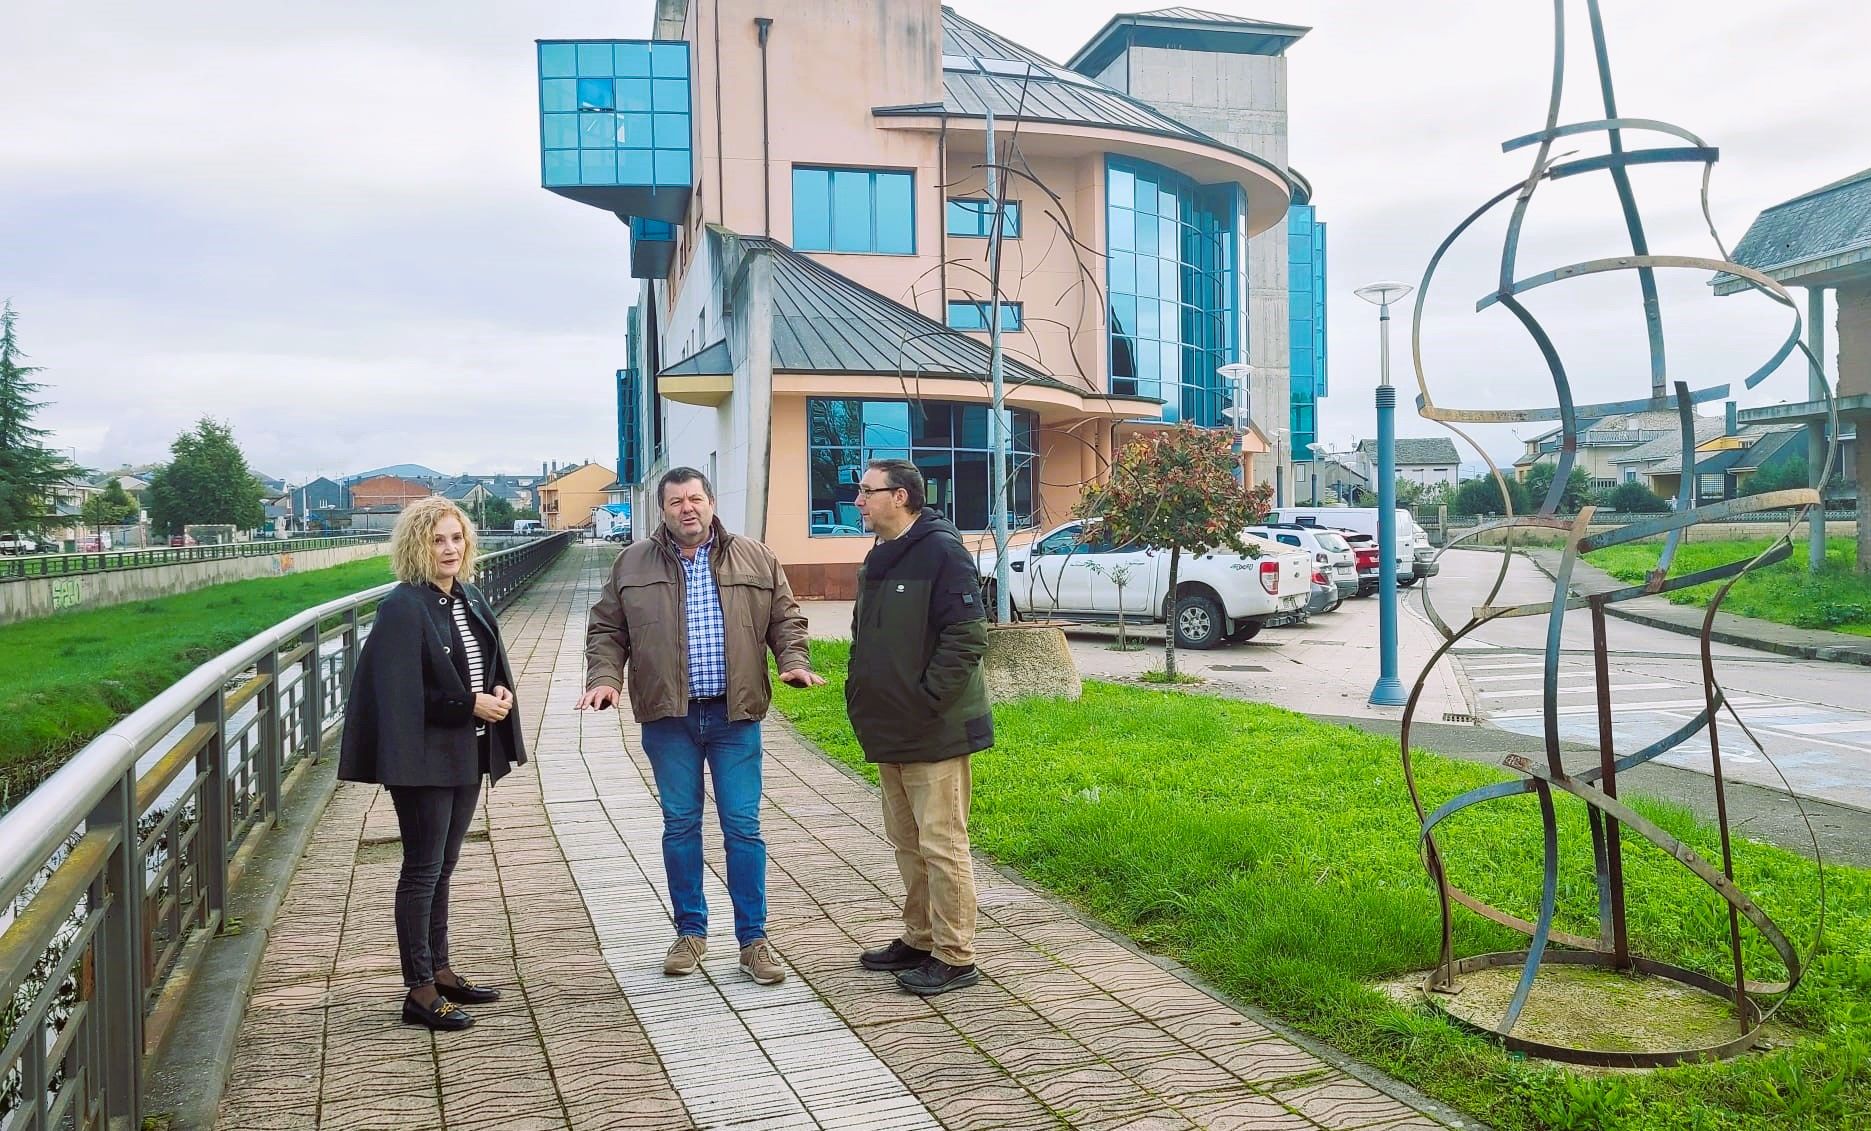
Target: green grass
1277,856
1839,598
67,677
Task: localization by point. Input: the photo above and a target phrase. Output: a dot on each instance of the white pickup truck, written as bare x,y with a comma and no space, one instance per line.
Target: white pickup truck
1222,597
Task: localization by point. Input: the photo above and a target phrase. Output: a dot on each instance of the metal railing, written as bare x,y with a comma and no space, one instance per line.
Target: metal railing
112,866
59,565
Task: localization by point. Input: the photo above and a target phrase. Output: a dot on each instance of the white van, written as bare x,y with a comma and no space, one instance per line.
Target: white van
1363,520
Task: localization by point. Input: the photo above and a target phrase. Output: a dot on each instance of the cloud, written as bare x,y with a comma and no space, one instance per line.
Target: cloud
322,222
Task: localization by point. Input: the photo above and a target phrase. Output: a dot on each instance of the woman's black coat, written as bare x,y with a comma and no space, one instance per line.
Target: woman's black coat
409,720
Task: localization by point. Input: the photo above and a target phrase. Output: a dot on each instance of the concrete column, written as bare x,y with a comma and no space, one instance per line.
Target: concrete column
1854,369
1816,432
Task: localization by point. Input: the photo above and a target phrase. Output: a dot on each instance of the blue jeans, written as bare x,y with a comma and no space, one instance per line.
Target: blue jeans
677,749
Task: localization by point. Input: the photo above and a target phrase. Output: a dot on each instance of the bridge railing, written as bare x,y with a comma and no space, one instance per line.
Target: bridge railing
124,856
59,565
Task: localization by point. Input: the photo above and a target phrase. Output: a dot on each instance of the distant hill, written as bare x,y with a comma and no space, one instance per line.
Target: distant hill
400,470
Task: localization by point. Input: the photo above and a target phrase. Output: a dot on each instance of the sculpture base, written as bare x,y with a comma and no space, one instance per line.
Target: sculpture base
1026,659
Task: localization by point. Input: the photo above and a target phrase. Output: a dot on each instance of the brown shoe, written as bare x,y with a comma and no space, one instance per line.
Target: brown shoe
685,955
761,963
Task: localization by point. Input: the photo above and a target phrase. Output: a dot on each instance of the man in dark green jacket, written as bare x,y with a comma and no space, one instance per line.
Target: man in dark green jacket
918,704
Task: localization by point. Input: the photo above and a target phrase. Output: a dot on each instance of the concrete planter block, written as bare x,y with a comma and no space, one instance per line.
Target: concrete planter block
1030,659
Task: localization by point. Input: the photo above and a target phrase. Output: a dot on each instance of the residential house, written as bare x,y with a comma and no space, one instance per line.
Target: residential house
1601,442
567,500
814,242
1657,464
1338,482
1431,461
387,491
1821,241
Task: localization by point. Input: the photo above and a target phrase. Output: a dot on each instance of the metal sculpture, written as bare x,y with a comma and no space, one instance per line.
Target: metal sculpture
1609,817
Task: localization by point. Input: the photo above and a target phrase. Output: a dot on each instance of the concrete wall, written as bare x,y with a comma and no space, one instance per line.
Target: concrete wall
42,596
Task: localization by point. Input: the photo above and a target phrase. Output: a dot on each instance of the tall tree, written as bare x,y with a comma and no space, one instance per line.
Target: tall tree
112,506
1175,489
28,469
1540,481
206,482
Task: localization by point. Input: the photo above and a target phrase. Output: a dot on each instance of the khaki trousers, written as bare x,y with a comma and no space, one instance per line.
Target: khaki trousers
926,822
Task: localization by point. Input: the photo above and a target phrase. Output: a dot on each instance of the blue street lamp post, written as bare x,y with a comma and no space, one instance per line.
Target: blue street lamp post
1389,689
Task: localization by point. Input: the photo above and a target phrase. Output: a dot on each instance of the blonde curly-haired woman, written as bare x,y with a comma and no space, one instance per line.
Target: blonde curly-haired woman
430,713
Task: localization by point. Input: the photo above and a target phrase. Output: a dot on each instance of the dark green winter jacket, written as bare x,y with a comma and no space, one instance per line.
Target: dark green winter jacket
916,692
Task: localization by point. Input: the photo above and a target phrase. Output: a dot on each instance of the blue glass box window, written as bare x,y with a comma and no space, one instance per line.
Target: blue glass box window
615,113
973,316
1306,321
975,217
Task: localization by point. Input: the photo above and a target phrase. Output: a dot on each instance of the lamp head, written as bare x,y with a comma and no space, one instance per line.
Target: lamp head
1235,371
1383,293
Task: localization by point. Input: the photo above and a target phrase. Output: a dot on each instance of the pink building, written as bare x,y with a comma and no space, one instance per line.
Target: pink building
806,191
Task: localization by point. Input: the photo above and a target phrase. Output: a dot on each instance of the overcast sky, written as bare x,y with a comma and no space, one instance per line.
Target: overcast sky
322,222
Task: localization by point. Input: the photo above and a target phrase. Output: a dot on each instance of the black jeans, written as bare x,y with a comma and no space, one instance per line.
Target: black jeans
433,820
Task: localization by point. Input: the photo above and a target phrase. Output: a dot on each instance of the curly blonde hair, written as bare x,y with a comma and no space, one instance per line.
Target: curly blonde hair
410,553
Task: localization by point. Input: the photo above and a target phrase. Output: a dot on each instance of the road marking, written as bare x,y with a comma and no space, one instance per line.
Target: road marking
1589,708
1579,673
1847,726
1581,691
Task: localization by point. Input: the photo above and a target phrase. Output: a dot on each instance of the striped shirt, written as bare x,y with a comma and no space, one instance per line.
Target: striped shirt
470,649
708,649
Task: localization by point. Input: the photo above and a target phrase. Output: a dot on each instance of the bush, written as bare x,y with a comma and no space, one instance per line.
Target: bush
1482,496
1635,498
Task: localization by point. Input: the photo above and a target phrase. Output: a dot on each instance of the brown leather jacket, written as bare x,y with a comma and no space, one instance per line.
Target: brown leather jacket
641,622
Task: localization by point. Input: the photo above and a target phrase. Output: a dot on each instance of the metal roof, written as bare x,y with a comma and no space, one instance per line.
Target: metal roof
1799,236
982,70
715,360
1188,29
1416,452
824,322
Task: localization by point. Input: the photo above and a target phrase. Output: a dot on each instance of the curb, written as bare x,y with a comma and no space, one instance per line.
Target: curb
185,1079
1830,653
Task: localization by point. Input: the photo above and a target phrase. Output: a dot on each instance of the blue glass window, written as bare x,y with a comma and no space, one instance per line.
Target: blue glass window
672,131
561,167
947,442
854,210
973,316
1306,321
561,131
597,166
597,94
594,59
633,94
632,60
558,94
1173,286
558,60
670,60
975,217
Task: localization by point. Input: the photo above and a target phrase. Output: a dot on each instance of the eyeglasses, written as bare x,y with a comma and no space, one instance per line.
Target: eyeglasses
867,492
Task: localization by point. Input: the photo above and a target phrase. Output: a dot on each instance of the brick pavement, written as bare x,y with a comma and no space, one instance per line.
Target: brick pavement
559,899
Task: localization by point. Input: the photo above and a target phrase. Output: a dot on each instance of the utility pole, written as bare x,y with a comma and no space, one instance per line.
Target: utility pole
998,424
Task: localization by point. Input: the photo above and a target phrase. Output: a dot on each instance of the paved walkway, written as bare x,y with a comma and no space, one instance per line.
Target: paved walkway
559,898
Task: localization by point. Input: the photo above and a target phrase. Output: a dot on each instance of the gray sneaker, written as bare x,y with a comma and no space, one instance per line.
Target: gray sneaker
761,963
685,955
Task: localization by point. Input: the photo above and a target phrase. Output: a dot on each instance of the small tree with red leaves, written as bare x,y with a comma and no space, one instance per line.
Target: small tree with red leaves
1176,489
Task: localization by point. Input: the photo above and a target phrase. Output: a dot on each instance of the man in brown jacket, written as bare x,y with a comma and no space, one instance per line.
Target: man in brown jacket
692,612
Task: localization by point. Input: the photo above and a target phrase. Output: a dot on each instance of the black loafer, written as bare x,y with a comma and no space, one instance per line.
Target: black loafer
464,992
899,955
937,977
443,1015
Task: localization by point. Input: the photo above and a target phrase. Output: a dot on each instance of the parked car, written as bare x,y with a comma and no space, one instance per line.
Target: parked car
835,528
18,544
1369,563
1331,555
181,540
621,537
1422,553
1364,521
1222,597
1325,595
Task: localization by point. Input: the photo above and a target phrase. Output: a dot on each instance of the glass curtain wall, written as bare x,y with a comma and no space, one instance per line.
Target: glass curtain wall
1306,321
947,442
1176,291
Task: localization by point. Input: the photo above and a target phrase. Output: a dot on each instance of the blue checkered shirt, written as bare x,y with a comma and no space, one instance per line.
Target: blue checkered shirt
708,649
